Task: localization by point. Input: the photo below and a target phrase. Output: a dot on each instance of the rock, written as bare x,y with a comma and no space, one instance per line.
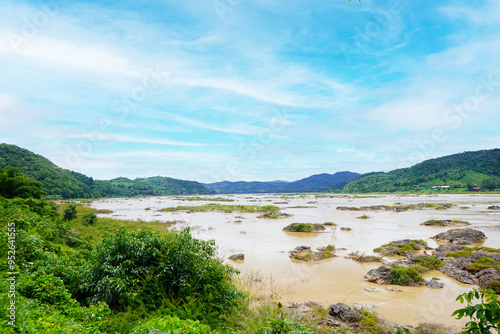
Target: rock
435,279
363,307
307,304
237,257
381,275
302,249
460,275
344,313
434,284
485,276
346,229
390,288
304,253
306,228
494,207
401,247
371,289
445,222
457,236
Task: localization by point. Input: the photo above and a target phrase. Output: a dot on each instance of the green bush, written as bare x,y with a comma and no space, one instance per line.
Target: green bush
302,227
142,268
46,288
429,262
171,324
405,276
70,212
89,218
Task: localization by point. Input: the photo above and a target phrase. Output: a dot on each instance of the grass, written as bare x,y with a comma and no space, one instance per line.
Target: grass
93,233
223,208
362,257
103,211
274,215
363,217
329,224
429,262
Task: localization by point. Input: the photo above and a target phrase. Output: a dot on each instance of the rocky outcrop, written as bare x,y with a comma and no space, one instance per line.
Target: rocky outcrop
434,284
494,207
401,247
304,227
237,257
445,222
306,254
465,236
470,265
344,313
381,275
397,208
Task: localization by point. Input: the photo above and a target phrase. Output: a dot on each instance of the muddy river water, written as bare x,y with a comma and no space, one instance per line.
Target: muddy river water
335,280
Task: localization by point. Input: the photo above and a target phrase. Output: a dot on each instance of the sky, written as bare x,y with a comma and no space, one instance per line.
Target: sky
213,90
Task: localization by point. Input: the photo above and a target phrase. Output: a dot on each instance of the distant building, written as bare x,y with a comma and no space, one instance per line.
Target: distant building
476,189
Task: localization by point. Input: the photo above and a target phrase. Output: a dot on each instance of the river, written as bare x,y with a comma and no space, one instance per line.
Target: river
268,267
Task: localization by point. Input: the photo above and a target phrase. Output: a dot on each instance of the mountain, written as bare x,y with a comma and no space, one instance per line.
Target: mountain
460,171
314,183
63,183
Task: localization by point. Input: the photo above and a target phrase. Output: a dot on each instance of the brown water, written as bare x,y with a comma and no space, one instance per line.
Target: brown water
265,245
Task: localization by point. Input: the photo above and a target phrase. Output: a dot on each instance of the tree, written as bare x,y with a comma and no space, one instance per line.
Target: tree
70,212
13,183
490,183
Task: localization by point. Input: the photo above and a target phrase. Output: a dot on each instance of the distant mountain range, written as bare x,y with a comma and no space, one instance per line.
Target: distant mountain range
63,183
314,183
459,172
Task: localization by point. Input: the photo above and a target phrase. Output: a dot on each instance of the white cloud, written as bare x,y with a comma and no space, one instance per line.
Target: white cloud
487,14
132,139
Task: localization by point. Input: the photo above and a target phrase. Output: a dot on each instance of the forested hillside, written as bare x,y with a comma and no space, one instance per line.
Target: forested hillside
462,172
63,183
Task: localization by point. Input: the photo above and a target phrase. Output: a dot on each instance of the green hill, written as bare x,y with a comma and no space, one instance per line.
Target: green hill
459,171
63,183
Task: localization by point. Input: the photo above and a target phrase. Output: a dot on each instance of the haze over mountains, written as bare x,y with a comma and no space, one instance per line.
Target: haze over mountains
458,172
314,183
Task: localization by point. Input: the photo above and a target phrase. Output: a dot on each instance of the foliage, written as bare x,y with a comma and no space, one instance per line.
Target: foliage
429,262
302,227
484,316
223,208
405,276
13,183
70,212
283,326
372,324
61,183
142,268
89,218
173,325
456,171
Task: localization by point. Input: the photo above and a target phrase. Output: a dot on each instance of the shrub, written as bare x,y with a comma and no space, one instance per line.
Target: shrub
47,289
429,262
405,276
70,212
171,324
370,323
142,268
485,260
89,218
484,316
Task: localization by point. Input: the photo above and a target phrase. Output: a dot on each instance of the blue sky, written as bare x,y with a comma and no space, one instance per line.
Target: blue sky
248,90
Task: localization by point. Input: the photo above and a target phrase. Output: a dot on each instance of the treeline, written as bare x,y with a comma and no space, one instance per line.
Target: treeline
461,172
64,184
